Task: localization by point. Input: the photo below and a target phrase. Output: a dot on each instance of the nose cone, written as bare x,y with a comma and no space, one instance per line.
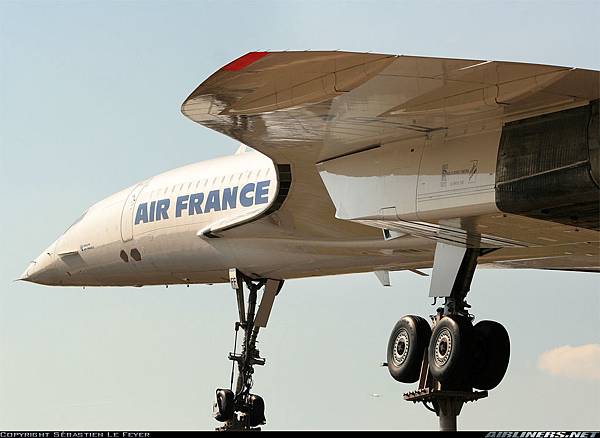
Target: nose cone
43,270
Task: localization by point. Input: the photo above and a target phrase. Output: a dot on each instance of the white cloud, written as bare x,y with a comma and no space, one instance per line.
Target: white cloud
582,362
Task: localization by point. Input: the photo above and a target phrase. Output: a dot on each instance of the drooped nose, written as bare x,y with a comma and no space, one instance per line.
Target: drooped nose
44,269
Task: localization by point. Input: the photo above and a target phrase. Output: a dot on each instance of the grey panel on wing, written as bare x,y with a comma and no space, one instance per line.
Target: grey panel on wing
548,167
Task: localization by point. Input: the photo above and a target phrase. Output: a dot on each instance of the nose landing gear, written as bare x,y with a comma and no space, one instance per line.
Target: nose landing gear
456,361
240,409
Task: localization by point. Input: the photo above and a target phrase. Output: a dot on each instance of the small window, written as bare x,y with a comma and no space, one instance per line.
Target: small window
123,256
135,255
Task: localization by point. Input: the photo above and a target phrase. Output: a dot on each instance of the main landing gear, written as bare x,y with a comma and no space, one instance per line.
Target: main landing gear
456,361
240,409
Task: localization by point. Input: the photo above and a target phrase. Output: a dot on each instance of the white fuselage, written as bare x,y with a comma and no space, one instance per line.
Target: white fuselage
161,231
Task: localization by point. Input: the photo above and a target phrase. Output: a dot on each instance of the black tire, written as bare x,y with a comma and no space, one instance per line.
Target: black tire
406,348
224,405
491,353
449,349
256,410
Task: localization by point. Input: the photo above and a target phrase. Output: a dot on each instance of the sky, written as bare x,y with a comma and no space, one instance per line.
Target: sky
90,94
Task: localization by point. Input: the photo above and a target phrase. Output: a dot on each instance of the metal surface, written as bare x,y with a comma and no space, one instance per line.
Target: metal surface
236,279
272,287
249,357
548,167
416,141
328,104
453,271
432,151
383,277
447,423
447,404
406,138
446,267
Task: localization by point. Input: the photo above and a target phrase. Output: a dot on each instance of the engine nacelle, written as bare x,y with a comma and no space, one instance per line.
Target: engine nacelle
544,167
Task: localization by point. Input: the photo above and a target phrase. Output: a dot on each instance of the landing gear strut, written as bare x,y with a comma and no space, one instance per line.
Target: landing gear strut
240,409
457,361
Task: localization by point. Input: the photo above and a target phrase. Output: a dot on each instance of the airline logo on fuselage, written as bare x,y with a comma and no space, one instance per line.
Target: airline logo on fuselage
197,203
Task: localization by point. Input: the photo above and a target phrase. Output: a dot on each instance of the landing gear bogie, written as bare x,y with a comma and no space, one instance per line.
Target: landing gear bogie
457,361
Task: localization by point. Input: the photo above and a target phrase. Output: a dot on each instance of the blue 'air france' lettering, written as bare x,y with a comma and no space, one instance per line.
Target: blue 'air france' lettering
196,203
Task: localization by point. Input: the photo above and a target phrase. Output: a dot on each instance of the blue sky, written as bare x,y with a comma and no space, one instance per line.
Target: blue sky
89,104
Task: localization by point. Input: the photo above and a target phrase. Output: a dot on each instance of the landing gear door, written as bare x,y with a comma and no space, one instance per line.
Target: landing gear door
129,211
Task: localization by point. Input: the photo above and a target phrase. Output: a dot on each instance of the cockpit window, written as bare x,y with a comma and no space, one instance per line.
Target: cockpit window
77,220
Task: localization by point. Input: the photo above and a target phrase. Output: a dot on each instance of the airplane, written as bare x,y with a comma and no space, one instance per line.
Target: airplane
362,162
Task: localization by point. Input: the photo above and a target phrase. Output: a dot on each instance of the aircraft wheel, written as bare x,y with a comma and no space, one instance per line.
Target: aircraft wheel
491,353
406,348
448,351
256,410
223,410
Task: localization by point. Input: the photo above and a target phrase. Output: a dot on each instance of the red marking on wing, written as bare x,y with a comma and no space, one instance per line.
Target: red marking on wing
244,61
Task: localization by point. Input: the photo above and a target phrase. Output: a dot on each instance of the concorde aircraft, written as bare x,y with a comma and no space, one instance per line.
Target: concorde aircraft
362,162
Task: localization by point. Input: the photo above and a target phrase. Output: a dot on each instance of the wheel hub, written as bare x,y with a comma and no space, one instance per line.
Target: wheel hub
400,347
443,347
